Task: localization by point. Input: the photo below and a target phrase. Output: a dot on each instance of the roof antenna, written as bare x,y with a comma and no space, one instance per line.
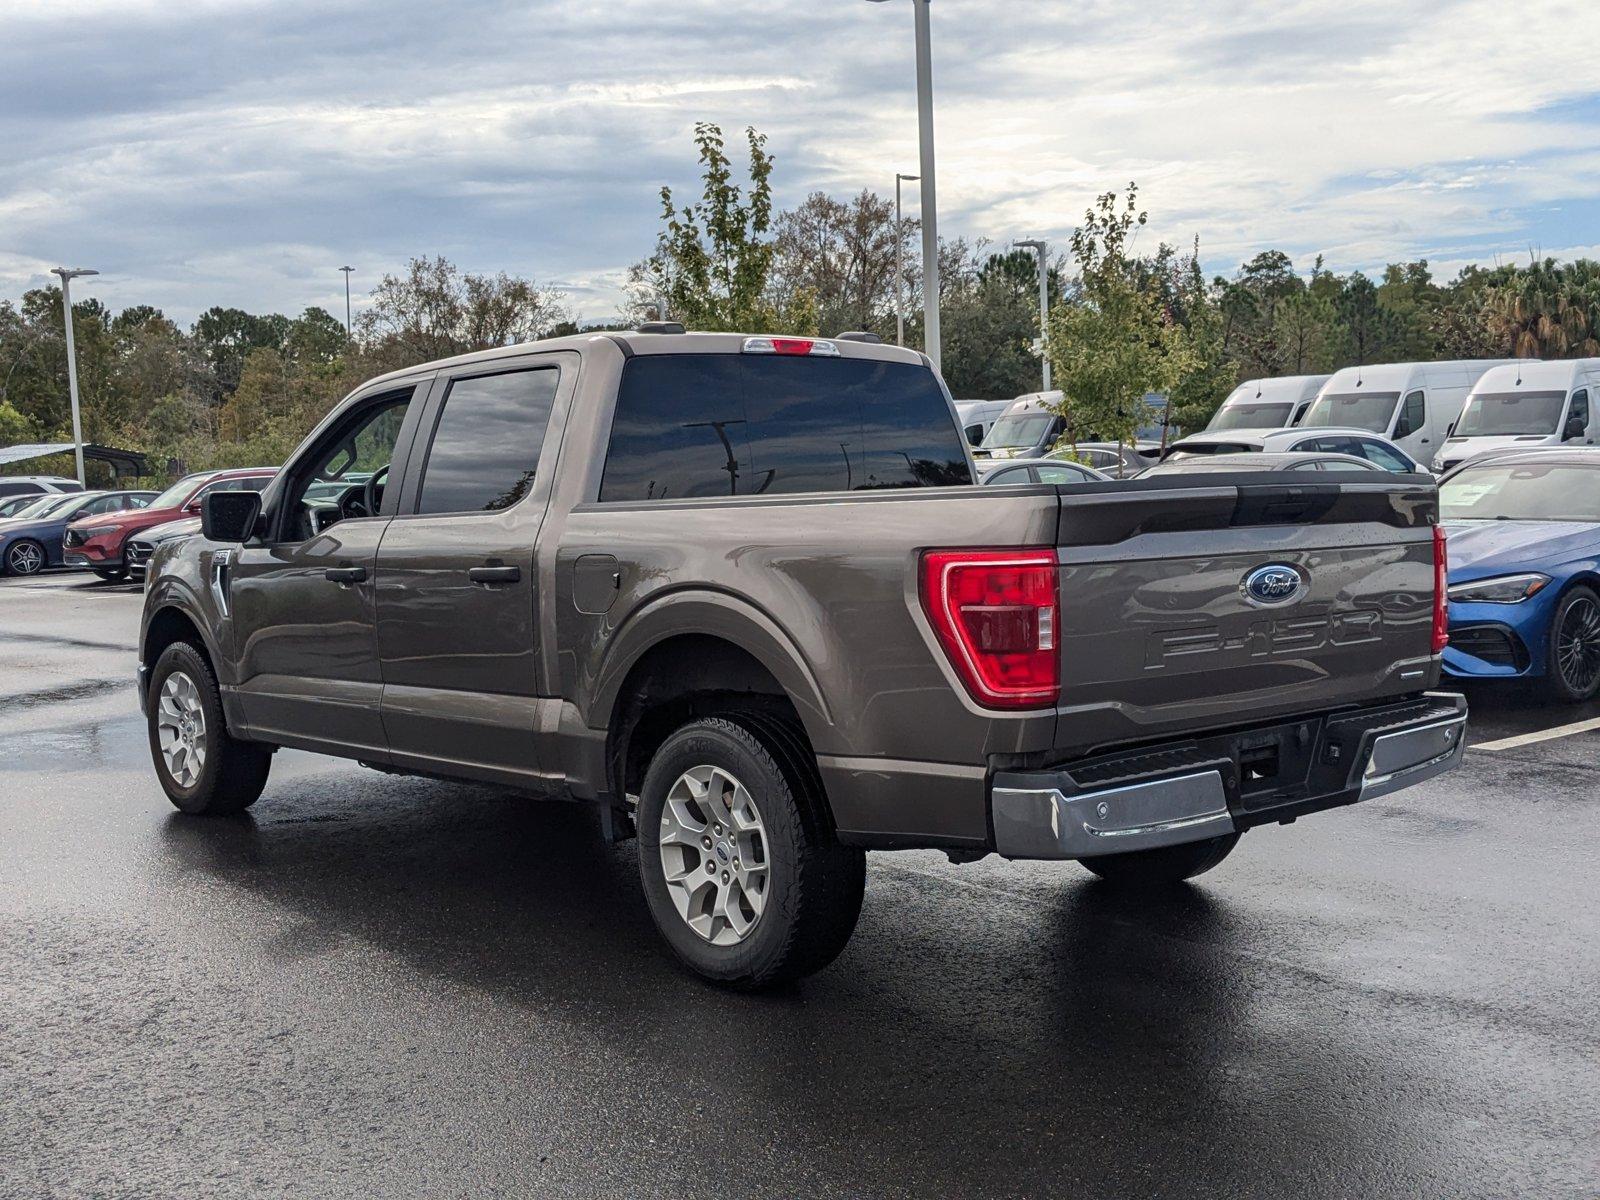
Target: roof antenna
1519,372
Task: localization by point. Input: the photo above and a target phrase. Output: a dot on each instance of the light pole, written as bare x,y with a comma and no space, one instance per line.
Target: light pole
1044,300
930,207
347,271
68,274
899,265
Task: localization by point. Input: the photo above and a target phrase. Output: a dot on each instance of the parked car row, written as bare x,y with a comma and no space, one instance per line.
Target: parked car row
109,532
32,538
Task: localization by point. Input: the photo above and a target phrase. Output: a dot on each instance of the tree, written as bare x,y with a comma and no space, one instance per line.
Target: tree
435,310
1371,331
1207,371
1546,310
1115,342
989,311
836,259
714,258
224,336
1304,332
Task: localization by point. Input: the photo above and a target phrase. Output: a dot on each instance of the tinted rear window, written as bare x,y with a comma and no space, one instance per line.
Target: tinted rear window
694,425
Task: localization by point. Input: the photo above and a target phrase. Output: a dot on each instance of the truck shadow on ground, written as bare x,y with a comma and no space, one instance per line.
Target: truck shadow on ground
1091,1040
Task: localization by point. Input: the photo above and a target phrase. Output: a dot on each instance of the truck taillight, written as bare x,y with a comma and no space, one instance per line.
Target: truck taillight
996,613
1441,592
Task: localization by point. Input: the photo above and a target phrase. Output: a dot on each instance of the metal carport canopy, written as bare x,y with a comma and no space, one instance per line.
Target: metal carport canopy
120,460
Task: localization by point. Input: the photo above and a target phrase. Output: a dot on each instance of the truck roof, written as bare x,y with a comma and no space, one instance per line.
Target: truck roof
632,342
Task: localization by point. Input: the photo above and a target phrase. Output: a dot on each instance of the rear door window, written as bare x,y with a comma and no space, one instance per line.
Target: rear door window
701,425
1381,455
485,450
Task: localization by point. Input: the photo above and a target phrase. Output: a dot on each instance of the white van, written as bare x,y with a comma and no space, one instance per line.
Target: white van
1414,405
978,417
1267,403
1527,404
1027,429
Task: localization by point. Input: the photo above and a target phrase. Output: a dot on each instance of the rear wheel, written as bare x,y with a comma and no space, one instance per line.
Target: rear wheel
742,873
111,576
202,768
1574,666
24,557
1164,865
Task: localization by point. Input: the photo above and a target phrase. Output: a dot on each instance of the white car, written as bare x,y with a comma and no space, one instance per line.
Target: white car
1379,451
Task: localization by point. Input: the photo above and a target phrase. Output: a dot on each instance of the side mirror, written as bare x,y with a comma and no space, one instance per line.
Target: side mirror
1575,429
230,516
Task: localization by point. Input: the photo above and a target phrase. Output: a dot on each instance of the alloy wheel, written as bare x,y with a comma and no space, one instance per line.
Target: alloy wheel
1578,645
714,855
25,558
181,729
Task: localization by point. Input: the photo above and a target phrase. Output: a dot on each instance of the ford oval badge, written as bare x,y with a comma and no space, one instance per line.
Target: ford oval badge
1275,583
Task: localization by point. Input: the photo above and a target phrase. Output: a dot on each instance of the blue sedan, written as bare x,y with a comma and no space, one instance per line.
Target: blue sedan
1523,537
31,541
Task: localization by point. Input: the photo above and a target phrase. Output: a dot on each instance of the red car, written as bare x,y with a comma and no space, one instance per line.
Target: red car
97,542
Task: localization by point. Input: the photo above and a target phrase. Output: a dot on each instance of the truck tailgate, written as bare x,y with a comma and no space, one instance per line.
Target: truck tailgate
1188,607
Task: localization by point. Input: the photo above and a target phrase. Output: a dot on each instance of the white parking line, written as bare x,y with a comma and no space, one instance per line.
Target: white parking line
1540,735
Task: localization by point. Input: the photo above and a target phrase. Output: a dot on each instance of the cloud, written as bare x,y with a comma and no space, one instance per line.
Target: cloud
239,152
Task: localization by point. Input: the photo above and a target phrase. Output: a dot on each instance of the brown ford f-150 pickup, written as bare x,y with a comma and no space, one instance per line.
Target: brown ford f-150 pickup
739,593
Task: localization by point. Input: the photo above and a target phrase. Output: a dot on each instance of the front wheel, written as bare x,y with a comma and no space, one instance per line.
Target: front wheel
116,576
1164,865
24,557
1574,666
743,876
202,768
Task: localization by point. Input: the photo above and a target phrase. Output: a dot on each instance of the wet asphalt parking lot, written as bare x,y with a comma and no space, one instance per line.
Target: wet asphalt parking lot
382,986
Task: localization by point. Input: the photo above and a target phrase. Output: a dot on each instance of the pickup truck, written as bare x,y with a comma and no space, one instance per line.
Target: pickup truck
739,594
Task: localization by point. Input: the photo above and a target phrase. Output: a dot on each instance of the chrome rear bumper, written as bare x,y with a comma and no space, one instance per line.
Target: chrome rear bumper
1049,815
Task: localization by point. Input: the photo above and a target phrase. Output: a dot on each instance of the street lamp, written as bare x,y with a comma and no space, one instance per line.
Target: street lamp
347,271
68,274
930,214
899,266
1044,299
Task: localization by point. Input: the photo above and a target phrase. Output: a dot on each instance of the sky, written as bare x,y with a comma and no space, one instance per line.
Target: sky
238,152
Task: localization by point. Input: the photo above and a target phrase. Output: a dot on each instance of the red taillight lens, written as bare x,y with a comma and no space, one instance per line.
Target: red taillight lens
996,614
1441,592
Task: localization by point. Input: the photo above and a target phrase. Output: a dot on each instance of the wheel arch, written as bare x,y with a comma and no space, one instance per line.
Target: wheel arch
691,656
169,624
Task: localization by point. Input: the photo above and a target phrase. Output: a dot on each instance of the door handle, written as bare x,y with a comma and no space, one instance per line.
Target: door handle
495,574
345,574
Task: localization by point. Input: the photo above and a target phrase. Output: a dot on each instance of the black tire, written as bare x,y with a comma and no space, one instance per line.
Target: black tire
1163,866
1572,658
815,885
24,557
116,576
232,773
